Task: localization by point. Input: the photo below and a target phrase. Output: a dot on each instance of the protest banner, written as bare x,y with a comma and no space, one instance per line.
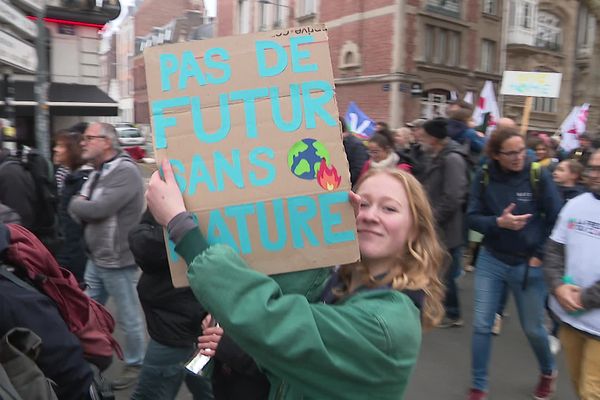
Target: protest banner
530,85
250,126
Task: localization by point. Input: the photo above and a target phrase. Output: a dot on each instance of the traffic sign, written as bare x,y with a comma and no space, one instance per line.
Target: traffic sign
33,5
10,15
16,53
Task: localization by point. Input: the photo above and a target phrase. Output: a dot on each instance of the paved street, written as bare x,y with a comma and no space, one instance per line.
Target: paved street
443,370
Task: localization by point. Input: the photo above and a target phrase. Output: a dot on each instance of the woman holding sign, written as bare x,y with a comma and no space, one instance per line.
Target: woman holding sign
364,341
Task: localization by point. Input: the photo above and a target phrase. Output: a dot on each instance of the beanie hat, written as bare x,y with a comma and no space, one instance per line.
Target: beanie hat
436,127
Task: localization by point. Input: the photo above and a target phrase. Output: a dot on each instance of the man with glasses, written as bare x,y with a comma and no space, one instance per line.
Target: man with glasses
515,211
572,270
109,205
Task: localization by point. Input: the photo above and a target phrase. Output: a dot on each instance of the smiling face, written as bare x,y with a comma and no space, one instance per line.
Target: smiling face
376,152
384,221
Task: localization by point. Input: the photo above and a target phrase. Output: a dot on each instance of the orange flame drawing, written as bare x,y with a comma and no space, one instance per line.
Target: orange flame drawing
327,177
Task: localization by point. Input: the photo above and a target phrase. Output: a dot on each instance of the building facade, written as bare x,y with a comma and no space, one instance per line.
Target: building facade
158,22
550,36
397,59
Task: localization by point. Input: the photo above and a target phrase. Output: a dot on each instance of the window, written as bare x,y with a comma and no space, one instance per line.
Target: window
512,13
544,104
586,30
262,12
243,16
548,34
308,7
429,42
526,17
278,17
434,103
447,7
489,7
488,55
442,46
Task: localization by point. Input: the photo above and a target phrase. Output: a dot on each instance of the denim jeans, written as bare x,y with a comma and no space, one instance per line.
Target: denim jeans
163,372
491,275
451,303
120,284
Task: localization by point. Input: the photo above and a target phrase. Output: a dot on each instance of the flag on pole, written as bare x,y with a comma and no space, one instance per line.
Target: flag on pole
574,125
487,104
359,122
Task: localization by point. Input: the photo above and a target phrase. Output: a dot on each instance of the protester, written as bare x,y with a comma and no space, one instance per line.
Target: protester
416,153
584,151
356,152
459,115
403,138
110,204
446,181
68,155
60,356
572,270
383,155
173,316
543,152
17,189
567,176
320,350
515,219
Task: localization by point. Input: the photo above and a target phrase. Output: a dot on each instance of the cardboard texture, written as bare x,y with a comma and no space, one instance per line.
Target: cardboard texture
250,124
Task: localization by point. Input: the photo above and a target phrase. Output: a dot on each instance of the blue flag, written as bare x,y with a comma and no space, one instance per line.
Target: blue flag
358,122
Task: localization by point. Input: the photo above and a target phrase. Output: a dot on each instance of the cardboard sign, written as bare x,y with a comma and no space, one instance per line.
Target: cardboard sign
250,125
531,84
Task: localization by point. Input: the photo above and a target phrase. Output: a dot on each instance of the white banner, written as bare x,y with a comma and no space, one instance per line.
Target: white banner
17,53
531,84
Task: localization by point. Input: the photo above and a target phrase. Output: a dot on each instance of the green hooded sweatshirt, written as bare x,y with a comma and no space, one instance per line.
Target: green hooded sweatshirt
363,347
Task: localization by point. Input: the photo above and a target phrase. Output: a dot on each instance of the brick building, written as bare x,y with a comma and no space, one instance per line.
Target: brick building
158,22
397,59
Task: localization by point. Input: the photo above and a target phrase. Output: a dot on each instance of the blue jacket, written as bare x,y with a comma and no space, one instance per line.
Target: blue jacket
488,201
461,133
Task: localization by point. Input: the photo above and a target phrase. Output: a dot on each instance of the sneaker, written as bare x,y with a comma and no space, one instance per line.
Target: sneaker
448,322
546,387
127,378
476,394
497,327
554,344
469,268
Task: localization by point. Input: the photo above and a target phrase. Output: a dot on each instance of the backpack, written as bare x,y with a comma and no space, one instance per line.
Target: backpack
535,172
20,376
46,226
85,318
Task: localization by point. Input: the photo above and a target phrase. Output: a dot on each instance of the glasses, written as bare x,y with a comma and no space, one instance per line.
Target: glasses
592,169
88,138
512,154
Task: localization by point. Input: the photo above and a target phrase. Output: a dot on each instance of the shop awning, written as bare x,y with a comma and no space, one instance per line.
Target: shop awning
66,99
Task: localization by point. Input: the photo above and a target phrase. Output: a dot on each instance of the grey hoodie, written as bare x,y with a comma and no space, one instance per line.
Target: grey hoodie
114,205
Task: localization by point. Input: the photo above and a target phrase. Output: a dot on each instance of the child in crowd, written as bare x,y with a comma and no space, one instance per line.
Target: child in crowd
567,176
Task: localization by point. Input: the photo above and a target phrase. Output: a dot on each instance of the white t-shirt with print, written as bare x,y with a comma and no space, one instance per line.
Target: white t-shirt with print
578,229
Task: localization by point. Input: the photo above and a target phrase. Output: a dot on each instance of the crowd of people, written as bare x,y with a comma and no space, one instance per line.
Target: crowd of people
426,196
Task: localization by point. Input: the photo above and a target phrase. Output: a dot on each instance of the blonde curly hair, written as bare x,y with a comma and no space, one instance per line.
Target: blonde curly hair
421,260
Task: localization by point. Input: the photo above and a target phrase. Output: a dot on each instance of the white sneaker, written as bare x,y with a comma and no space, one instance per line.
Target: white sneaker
554,344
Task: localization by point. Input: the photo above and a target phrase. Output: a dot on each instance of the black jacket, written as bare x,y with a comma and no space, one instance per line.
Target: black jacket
72,255
17,189
357,155
61,357
174,316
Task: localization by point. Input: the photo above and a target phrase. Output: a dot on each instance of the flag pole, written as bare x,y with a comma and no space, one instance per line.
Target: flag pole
526,114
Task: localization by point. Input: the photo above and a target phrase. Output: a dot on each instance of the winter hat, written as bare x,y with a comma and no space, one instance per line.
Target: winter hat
436,127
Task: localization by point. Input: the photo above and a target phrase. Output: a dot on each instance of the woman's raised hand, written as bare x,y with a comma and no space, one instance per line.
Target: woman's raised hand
164,197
